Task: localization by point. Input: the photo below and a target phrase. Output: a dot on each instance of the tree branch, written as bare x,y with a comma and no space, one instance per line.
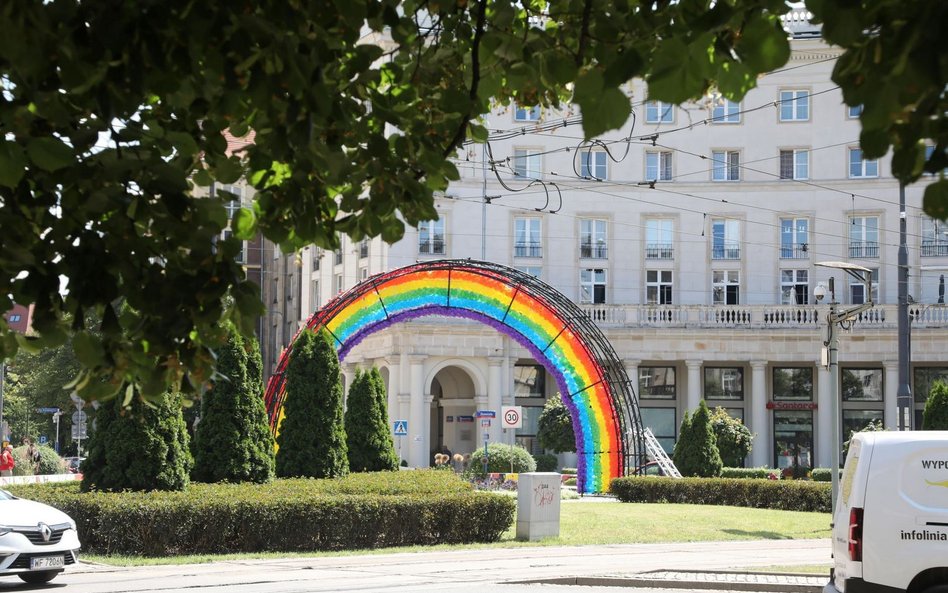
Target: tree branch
584,33
475,78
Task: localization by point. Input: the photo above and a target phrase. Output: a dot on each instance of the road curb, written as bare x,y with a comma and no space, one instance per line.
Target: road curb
701,580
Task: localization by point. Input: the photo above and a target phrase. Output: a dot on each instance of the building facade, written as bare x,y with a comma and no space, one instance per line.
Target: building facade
692,237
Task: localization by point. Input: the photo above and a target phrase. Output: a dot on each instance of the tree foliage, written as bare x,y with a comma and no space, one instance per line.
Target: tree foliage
733,438
555,427
935,415
368,438
312,438
233,442
138,446
696,451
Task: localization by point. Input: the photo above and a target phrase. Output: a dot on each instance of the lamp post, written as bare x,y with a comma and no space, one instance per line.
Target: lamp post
835,320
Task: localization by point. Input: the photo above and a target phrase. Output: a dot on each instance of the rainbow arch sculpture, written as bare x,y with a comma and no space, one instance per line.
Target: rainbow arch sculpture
559,335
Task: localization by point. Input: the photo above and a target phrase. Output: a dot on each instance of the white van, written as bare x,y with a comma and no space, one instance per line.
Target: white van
890,525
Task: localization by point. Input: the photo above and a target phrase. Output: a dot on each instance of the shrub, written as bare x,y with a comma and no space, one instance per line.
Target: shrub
555,427
546,462
935,415
570,482
312,439
233,442
791,495
756,473
358,512
568,470
821,474
696,452
502,459
49,461
368,438
733,438
23,465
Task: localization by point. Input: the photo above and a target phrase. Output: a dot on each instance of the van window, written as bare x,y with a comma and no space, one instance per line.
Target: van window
849,471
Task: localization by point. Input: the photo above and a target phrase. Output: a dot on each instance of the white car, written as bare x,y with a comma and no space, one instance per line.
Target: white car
36,541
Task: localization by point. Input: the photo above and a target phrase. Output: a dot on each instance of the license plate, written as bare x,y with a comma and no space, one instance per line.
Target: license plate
47,562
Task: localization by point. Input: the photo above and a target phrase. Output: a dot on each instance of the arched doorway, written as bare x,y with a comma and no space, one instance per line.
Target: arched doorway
452,405
591,379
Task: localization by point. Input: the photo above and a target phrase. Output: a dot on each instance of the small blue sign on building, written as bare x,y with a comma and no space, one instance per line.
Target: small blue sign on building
486,414
401,428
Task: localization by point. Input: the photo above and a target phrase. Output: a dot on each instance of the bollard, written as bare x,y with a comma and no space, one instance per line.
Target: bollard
538,505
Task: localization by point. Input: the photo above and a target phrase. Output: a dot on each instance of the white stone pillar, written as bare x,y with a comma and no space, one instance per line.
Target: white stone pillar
890,396
761,455
403,444
348,372
632,370
394,390
823,439
480,403
694,385
418,455
427,445
494,395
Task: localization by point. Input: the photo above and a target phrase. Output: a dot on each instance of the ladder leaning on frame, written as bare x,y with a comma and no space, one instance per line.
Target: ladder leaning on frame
658,454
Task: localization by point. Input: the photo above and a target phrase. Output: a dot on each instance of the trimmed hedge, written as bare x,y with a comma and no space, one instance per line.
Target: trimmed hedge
790,495
546,462
822,474
756,473
361,511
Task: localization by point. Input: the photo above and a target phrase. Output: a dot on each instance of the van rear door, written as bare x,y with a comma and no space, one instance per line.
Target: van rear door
852,495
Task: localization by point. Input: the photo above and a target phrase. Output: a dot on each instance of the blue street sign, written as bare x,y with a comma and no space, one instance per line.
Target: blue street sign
401,428
42,439
47,410
485,414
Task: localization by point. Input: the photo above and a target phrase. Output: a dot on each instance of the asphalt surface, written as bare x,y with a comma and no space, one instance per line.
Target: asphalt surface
590,569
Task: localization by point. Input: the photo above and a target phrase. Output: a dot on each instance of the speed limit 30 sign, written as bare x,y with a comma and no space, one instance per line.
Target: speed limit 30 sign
511,416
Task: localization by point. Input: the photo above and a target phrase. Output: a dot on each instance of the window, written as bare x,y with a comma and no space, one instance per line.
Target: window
663,424
314,295
853,112
658,165
14,318
929,151
592,286
793,384
592,239
363,274
657,383
431,237
725,238
535,271
339,284
725,111
527,113
658,238
857,290
527,238
726,287
795,164
657,112
658,287
526,162
864,237
925,378
934,237
794,237
794,105
793,440
726,165
363,248
861,385
724,383
529,380
593,164
859,167
337,256
317,256
794,287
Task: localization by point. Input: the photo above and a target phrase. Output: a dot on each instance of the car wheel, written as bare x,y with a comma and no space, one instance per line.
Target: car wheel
40,576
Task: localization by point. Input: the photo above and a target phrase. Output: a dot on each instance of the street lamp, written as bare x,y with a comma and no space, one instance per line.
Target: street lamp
835,320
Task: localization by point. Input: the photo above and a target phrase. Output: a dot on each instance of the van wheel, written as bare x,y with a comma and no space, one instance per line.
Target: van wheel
42,576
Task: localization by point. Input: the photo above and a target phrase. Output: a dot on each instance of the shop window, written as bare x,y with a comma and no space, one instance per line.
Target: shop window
657,383
924,378
856,420
793,440
861,385
724,383
529,381
793,384
663,423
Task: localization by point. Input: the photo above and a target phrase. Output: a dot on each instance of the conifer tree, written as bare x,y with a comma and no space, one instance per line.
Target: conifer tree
696,452
367,436
312,439
935,415
388,458
233,442
138,447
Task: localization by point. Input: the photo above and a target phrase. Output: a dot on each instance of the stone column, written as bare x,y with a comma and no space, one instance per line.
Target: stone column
494,395
348,372
403,444
890,396
427,445
823,439
394,389
418,455
632,370
761,455
480,403
694,385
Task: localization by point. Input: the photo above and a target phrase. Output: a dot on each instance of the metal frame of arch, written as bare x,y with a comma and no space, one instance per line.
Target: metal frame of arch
562,337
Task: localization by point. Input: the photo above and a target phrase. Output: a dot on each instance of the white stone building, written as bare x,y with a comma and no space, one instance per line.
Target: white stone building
692,241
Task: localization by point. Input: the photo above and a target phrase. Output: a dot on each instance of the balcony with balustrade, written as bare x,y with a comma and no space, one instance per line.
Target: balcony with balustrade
528,249
659,251
794,251
934,248
726,250
863,249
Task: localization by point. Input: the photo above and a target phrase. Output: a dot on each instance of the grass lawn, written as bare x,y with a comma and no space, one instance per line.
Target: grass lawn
597,523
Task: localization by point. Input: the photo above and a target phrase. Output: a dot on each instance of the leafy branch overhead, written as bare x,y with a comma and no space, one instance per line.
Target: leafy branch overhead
113,115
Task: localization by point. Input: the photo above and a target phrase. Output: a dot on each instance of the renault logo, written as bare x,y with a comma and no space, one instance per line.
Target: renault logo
45,531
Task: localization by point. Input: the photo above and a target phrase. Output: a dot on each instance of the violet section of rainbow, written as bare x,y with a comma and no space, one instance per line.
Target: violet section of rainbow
528,319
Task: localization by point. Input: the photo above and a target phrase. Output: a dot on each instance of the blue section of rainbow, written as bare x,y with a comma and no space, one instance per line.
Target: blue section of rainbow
467,290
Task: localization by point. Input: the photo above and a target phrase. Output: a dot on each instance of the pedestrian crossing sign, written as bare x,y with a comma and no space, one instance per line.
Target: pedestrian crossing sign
401,428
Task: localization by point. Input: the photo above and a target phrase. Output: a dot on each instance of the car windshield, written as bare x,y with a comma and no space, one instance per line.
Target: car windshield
4,495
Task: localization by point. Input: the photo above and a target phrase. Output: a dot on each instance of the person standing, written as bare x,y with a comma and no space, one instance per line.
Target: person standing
6,461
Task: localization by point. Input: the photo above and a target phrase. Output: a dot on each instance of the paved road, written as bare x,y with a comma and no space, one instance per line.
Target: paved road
481,571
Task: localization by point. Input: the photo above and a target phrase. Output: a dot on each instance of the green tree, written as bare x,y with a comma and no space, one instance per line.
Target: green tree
368,439
733,438
555,427
696,452
232,441
935,415
138,446
312,438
